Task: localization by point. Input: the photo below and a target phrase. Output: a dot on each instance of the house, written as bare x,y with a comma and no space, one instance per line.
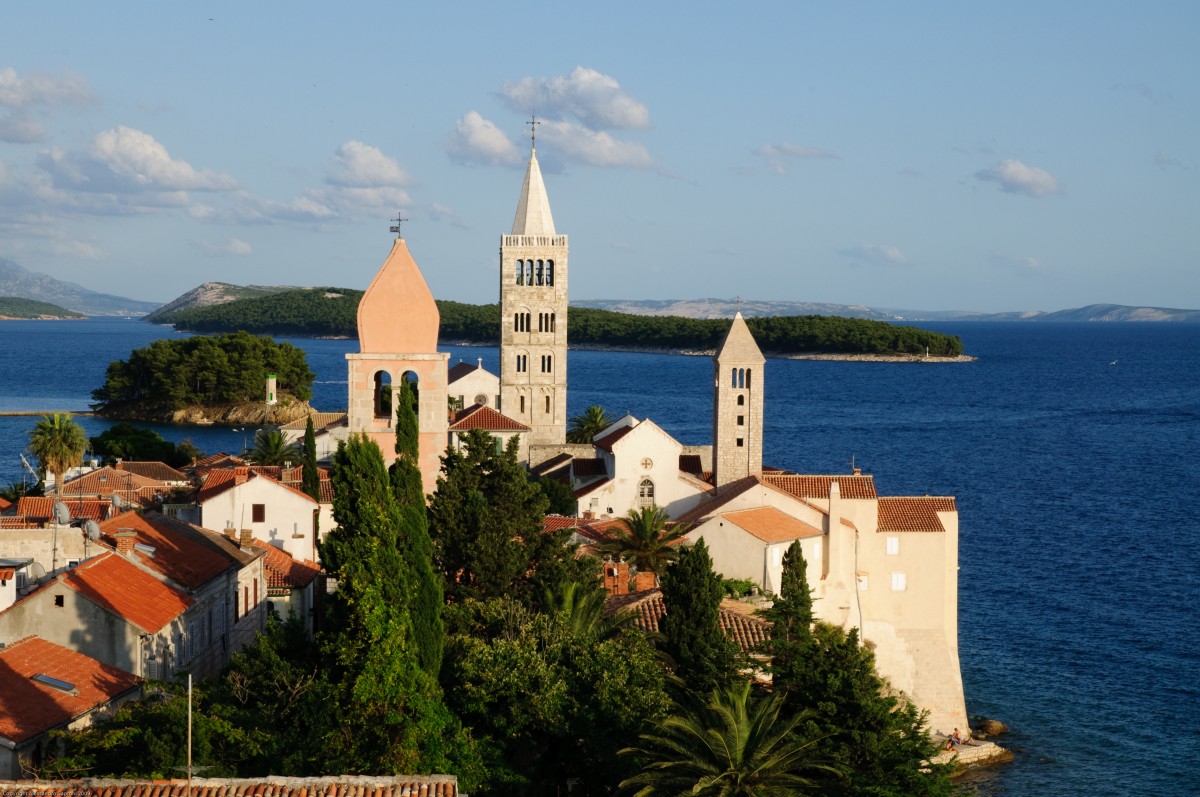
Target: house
329,429
291,583
738,619
122,487
472,384
224,578
240,498
500,427
38,511
156,471
108,608
46,687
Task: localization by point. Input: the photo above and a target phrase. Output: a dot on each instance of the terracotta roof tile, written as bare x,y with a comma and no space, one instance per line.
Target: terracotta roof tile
273,786
106,481
691,463
181,552
558,522
913,513
459,370
609,440
857,487
770,525
30,708
125,590
221,460
284,571
40,509
5,504
745,629
587,467
158,471
718,500
483,417
545,467
321,421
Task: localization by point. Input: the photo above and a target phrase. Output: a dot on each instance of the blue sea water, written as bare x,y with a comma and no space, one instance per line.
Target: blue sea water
1073,450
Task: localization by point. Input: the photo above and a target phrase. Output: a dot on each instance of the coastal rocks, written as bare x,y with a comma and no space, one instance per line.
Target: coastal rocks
987,727
253,413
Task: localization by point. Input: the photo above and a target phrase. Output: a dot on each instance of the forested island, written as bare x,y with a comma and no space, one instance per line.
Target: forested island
332,312
204,378
14,308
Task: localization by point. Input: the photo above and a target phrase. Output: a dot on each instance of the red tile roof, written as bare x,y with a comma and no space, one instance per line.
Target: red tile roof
913,513
273,786
483,417
691,463
770,525
852,486
718,500
125,590
29,708
181,553
587,467
221,460
40,509
4,504
459,370
737,619
284,571
321,421
106,481
158,471
612,437
218,480
544,467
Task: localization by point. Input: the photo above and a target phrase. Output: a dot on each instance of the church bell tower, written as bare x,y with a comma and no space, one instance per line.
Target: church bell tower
533,316
737,406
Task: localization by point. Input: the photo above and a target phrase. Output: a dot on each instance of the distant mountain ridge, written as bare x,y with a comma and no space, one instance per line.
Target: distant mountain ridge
213,293
22,283
725,308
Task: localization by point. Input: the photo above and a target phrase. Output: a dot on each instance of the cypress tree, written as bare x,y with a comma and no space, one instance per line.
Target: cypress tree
791,617
414,542
311,476
704,657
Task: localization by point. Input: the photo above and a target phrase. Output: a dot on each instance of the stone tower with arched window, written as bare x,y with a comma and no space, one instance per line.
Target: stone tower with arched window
397,339
533,316
737,406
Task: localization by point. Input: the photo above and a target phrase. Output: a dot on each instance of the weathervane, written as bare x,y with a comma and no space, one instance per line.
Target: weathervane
396,227
738,301
533,123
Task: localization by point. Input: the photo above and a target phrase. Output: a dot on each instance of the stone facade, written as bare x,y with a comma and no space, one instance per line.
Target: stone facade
397,334
737,406
533,316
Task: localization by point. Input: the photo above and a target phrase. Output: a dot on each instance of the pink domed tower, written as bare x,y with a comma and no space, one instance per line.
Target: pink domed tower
397,339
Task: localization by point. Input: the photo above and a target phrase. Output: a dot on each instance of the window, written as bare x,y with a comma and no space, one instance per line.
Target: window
747,377
539,272
258,513
741,443
547,405
522,363
893,546
383,394
741,420
245,601
734,383
741,401
899,582
516,322
549,272
256,592
646,493
520,272
236,616
552,322
547,363
58,601
522,405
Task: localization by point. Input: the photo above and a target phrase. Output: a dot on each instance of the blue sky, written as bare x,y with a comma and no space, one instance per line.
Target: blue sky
920,156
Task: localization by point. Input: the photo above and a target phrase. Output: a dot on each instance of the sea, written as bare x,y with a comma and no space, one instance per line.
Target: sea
1073,451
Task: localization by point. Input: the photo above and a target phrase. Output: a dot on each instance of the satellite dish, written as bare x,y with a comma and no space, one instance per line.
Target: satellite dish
62,515
116,501
92,530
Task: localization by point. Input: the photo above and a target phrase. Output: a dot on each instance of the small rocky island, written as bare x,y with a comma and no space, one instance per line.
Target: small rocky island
234,379
14,308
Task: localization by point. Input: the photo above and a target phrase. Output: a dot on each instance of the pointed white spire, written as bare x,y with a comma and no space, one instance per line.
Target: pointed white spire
533,210
739,343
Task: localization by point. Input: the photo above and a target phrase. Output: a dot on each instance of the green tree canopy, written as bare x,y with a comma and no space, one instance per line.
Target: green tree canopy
705,659
644,540
272,448
589,423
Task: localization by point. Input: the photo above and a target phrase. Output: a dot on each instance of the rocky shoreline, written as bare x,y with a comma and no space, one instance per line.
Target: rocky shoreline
254,413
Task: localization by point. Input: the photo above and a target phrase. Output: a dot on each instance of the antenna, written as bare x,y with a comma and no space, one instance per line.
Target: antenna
396,227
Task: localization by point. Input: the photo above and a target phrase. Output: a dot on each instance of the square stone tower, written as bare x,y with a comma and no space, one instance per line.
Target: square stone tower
737,406
533,316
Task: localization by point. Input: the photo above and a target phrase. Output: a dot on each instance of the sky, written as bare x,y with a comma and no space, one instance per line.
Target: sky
932,156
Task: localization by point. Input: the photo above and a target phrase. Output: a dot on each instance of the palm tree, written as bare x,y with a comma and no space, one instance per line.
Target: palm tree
58,443
271,448
587,424
736,745
582,611
643,539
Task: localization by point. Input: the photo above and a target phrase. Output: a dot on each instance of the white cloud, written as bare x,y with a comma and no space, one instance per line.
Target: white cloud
875,254
1165,160
595,99
234,247
439,212
478,140
19,128
1015,177
359,165
776,153
594,147
80,250
37,88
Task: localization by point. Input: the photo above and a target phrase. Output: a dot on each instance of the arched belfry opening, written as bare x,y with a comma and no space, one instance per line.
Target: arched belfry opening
398,325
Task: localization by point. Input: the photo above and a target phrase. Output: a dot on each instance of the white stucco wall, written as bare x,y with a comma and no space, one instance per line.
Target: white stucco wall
288,518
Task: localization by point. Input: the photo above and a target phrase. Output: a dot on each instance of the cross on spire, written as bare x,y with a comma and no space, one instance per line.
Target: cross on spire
396,227
533,123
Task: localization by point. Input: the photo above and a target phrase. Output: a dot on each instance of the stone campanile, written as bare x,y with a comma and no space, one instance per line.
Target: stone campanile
737,406
533,316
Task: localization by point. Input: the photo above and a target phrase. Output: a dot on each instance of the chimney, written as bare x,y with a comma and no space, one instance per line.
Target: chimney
616,577
246,539
125,540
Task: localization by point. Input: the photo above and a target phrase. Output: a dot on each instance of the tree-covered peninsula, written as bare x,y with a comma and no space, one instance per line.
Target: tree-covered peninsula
222,372
14,308
331,312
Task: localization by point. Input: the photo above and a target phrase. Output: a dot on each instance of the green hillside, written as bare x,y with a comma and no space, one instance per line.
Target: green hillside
332,312
13,307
